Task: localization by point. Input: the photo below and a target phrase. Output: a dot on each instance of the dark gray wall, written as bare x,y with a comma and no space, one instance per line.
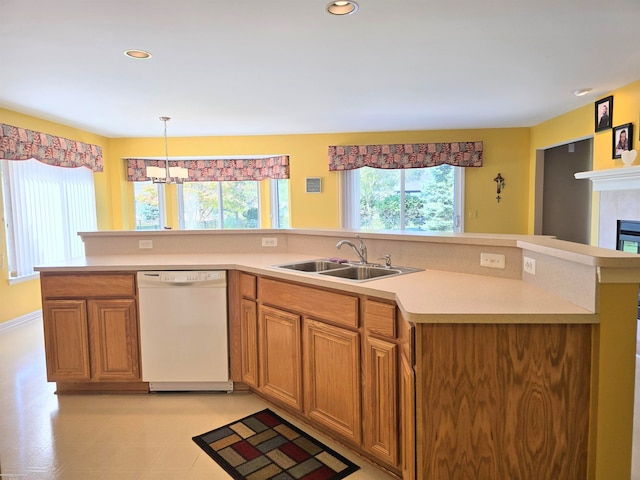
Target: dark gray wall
566,211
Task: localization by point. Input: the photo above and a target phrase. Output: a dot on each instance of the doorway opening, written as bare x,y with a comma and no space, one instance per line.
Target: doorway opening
563,205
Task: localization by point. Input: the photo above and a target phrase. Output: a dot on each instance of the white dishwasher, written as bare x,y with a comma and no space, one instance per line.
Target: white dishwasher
183,330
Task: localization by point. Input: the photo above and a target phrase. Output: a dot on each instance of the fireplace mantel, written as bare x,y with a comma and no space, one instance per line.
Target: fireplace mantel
623,178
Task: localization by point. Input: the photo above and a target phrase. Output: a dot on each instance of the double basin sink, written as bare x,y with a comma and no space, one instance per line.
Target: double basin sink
350,271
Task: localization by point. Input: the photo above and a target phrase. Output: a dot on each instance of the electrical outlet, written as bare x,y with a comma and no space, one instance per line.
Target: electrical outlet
145,243
492,260
529,265
269,242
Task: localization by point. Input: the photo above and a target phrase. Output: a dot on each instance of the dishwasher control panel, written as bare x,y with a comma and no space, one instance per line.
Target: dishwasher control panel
188,276
182,277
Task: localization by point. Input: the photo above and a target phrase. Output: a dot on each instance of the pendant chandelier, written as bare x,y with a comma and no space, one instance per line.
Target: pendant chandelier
167,174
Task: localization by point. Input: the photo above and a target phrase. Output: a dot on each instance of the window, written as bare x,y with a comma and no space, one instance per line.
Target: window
421,199
149,205
44,209
279,203
210,205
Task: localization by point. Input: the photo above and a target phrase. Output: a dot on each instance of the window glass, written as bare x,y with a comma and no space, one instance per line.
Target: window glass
419,199
149,205
44,209
211,205
280,203
201,205
240,206
380,199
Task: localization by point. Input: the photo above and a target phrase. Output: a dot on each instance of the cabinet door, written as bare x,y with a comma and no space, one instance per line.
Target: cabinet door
66,340
332,378
407,420
380,399
113,334
249,342
280,358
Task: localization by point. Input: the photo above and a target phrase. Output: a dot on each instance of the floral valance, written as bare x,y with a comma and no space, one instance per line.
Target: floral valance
225,169
22,144
412,155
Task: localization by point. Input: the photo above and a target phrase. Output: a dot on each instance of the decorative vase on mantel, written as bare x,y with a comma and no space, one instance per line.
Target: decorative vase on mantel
628,157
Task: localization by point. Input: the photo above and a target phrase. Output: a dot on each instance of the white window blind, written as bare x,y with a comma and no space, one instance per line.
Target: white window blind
45,207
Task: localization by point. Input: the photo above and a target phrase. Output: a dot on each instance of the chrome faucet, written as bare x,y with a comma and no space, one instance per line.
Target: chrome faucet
361,250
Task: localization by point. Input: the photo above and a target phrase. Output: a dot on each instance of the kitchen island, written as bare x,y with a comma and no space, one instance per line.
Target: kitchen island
495,373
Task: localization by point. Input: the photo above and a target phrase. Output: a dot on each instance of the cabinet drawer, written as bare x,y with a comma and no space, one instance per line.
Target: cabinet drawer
248,287
74,285
380,318
321,304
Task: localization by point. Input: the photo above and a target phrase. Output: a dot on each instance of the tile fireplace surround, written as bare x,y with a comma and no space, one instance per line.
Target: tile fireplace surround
616,205
619,199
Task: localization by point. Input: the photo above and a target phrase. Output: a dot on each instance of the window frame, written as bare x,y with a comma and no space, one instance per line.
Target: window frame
161,205
275,202
350,192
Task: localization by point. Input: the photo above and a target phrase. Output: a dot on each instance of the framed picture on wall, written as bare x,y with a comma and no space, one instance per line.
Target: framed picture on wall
622,138
604,113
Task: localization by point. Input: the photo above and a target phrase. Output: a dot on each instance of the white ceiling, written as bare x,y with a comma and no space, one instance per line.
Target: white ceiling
246,67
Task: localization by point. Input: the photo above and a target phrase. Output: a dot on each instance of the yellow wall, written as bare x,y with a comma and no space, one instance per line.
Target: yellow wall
579,124
509,151
506,151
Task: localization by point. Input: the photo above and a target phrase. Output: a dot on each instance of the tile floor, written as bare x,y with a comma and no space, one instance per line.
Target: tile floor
45,436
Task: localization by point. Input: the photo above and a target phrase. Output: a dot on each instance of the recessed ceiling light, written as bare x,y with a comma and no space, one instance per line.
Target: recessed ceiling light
582,91
342,7
137,54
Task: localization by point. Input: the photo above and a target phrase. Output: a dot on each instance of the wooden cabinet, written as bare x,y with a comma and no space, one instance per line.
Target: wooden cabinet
407,420
389,387
416,399
66,339
248,319
332,378
280,356
90,328
249,338
331,349
312,302
406,339
113,340
343,362
380,415
380,399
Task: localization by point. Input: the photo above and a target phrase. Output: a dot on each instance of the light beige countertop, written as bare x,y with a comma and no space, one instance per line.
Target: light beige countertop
427,296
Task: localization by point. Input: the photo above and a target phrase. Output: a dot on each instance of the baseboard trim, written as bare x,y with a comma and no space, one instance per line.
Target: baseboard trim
63,388
16,322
